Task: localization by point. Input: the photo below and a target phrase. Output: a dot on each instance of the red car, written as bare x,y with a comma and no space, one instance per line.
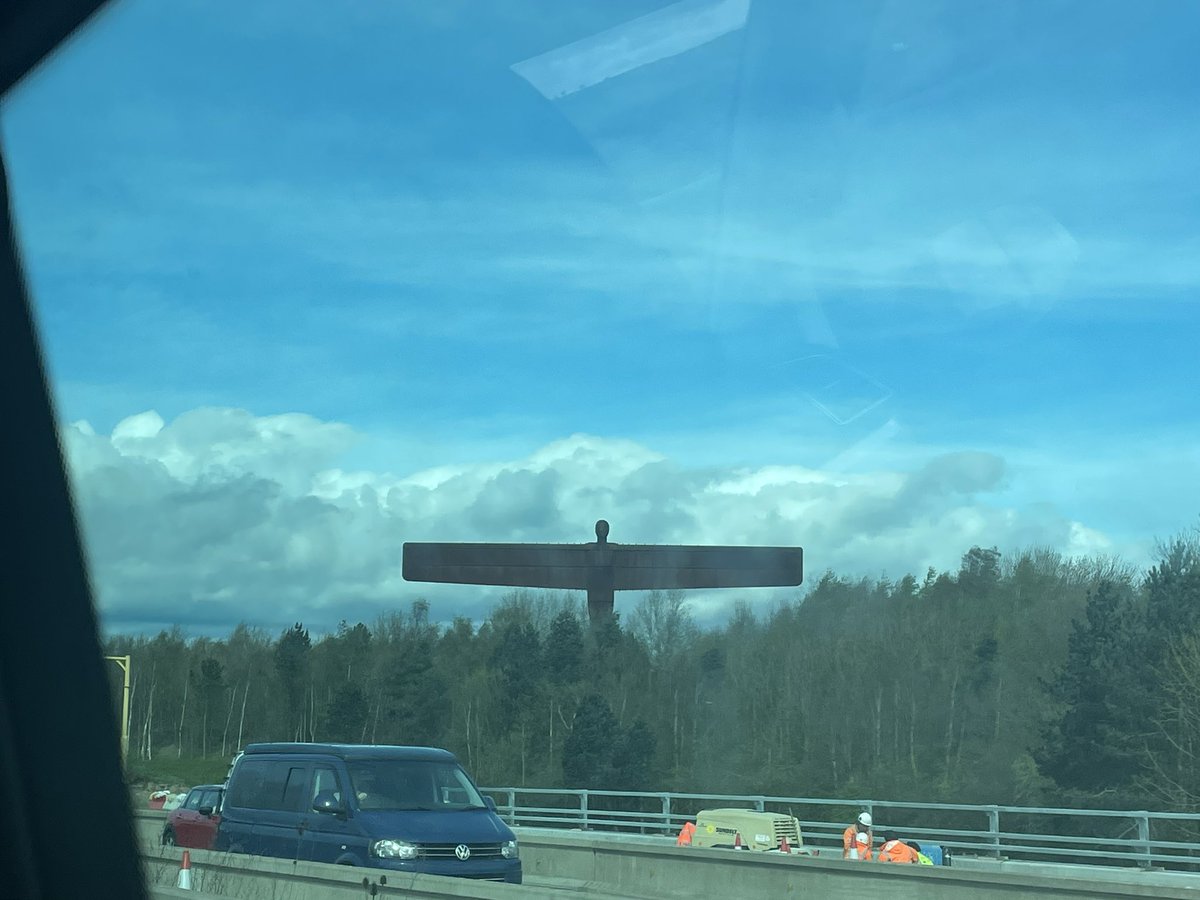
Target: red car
194,823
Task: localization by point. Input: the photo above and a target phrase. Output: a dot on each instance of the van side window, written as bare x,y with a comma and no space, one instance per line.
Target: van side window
268,784
293,789
249,786
325,780
192,801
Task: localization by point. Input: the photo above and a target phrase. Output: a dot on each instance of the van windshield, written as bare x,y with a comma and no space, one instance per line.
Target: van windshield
412,784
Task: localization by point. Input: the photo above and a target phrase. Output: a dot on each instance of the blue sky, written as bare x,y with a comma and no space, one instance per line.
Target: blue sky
719,242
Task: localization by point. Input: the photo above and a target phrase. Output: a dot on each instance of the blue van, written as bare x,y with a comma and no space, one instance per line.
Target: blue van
407,808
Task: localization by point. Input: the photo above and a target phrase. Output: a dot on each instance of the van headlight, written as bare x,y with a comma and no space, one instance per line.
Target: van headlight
509,849
394,850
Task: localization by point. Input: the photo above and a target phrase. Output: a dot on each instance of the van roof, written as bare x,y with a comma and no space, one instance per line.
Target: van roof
356,751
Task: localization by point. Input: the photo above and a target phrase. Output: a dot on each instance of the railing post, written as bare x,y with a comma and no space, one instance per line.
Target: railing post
1143,827
666,813
993,814
583,810
512,807
760,804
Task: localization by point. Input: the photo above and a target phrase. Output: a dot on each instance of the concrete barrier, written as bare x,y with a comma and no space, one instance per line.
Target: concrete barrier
148,826
258,878
1104,874
668,872
582,863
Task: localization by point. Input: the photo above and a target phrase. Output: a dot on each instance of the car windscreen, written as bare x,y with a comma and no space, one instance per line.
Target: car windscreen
395,784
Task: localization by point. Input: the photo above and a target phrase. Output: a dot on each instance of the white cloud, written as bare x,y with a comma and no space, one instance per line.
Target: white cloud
221,515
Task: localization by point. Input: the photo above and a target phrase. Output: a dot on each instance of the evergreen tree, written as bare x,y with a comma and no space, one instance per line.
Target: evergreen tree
588,752
518,661
1167,671
411,691
980,571
1090,747
346,714
291,664
564,649
210,687
1172,597
633,761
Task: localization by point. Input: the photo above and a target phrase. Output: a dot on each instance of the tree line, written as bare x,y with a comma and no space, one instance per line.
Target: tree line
1034,679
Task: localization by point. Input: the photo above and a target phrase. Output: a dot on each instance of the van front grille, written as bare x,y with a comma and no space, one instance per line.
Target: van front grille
446,851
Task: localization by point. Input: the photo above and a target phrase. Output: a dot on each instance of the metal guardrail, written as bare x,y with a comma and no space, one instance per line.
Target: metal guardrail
1048,834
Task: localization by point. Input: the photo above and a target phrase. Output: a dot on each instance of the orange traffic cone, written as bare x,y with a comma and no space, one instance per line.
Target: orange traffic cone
784,846
737,841
184,881
685,835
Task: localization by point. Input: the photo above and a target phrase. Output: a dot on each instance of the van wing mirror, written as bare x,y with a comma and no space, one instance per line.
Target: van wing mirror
205,811
327,802
490,802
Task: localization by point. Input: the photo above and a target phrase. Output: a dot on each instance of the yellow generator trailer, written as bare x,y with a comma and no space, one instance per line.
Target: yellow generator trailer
757,830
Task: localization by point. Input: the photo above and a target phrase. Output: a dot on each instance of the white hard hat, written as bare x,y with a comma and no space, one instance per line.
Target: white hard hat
864,819
862,837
